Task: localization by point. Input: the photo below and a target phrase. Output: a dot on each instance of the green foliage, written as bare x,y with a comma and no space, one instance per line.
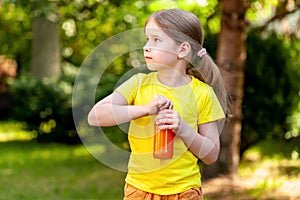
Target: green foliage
272,77
87,24
271,99
270,88
46,107
260,10
293,119
272,149
15,130
15,32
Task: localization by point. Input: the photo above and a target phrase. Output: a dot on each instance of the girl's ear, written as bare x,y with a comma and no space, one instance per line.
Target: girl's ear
184,50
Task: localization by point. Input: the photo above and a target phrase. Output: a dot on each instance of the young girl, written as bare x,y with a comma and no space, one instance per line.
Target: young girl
184,93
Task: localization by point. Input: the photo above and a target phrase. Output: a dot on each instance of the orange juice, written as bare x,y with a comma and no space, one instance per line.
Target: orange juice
163,144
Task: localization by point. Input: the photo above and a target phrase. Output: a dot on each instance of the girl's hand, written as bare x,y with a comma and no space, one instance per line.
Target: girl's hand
168,119
158,103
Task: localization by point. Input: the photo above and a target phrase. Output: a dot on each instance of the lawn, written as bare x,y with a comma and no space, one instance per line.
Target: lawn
35,171
30,170
269,170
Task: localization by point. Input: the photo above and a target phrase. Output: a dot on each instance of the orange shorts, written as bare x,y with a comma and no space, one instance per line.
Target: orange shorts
132,193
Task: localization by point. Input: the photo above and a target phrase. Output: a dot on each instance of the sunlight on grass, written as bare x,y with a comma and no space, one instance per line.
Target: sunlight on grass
13,130
270,169
264,186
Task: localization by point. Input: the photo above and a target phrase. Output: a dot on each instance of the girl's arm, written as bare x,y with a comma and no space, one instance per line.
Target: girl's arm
205,144
114,109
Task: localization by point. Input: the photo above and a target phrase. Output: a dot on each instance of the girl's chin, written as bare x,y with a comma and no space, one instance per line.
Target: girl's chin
153,66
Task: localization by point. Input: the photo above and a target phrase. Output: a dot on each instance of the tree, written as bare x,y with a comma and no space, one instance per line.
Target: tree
46,43
231,56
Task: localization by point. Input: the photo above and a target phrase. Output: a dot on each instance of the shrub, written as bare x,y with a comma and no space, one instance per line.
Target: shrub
46,107
270,89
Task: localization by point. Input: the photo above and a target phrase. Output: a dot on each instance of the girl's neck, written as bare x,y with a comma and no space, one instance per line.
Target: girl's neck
173,78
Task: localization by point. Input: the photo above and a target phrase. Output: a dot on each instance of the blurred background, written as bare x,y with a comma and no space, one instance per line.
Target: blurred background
43,43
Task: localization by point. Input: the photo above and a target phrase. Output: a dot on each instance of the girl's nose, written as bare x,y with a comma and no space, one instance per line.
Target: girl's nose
146,48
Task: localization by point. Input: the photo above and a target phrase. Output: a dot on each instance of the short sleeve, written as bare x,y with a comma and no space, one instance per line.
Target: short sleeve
128,89
210,107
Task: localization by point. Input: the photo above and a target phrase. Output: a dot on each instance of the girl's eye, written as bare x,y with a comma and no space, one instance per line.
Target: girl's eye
156,39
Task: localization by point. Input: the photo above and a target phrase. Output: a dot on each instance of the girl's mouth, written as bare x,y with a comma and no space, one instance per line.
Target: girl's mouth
148,57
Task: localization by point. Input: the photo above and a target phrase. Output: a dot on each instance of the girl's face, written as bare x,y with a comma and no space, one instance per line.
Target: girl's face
160,50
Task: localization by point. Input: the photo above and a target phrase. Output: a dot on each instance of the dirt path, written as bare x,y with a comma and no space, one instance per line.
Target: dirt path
250,189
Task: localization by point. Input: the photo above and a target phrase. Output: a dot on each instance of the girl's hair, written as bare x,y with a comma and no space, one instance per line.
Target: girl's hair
184,26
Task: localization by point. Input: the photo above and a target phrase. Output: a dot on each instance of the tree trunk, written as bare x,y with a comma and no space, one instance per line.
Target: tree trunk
46,45
231,57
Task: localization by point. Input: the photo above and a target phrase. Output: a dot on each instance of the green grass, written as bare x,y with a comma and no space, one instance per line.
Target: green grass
271,165
50,171
31,170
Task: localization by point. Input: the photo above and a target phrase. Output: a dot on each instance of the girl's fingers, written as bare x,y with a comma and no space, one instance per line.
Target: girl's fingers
163,102
166,116
168,126
166,111
164,121
168,119
162,116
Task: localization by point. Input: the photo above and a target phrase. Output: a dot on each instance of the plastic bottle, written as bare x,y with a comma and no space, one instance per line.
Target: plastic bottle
163,143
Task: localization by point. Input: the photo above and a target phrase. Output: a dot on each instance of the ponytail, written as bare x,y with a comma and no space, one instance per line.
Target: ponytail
206,70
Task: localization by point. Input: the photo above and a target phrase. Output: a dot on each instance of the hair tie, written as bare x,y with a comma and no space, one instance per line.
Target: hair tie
201,52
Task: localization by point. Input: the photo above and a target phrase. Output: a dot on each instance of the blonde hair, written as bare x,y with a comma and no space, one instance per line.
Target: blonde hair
184,26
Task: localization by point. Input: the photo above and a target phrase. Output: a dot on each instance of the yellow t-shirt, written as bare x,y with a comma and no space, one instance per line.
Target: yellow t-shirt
196,103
